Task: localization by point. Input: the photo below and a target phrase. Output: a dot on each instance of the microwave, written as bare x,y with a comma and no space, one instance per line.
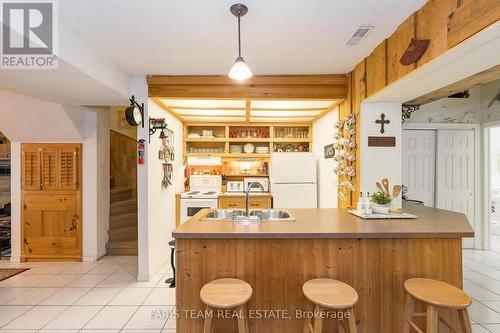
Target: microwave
264,181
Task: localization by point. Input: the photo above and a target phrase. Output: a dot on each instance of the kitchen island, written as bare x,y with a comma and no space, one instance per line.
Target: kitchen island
276,258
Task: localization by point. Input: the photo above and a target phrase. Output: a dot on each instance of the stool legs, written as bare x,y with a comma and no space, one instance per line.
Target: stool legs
352,321
432,319
209,320
242,320
318,321
208,325
463,316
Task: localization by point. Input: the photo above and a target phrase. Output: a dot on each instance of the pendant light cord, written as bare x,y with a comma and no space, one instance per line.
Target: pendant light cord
239,38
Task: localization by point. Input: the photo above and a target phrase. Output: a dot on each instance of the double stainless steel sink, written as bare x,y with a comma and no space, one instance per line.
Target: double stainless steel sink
257,215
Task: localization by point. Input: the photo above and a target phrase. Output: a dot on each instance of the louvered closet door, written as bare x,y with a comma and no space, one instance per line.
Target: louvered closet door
50,169
30,168
68,164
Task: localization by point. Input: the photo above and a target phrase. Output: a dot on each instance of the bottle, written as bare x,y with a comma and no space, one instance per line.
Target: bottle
368,204
361,205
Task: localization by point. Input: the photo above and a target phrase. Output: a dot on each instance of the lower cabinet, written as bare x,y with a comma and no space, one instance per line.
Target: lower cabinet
51,227
238,202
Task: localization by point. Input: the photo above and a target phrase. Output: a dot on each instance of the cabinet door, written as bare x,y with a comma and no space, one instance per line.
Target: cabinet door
50,168
30,168
51,225
68,165
260,202
231,202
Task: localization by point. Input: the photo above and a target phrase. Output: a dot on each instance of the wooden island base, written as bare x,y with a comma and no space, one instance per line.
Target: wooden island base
277,268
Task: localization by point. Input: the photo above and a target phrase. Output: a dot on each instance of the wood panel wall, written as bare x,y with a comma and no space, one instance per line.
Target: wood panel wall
123,163
445,23
376,268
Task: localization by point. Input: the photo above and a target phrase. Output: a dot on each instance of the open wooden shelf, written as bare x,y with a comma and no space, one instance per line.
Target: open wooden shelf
224,141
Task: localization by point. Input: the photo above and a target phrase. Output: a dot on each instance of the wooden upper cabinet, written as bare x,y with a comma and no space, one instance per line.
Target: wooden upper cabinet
68,162
397,44
50,167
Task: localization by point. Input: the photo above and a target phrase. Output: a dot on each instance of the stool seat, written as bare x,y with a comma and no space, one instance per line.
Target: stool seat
226,293
330,294
437,293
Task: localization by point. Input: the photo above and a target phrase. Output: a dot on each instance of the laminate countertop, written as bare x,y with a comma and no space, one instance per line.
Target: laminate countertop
334,223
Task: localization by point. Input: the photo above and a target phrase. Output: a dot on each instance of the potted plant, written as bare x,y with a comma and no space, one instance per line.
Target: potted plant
381,202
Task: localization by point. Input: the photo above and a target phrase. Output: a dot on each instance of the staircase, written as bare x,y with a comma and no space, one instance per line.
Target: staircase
122,223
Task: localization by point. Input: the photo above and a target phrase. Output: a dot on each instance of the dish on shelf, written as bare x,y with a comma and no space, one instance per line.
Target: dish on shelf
262,150
235,149
249,148
193,136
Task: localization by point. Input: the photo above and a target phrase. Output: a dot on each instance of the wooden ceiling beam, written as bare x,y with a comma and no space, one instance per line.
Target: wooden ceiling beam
481,78
319,87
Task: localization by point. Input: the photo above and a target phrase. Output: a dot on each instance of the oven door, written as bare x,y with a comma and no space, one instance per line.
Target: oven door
189,207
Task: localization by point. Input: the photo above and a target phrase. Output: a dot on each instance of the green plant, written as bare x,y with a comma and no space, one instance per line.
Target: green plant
381,198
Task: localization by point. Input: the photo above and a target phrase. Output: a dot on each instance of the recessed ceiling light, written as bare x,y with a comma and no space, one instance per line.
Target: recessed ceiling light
359,34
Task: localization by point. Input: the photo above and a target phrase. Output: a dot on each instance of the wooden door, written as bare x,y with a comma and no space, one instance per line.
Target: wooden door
419,161
51,201
51,225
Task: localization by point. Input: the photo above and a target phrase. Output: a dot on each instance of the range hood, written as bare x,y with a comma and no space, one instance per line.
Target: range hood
193,161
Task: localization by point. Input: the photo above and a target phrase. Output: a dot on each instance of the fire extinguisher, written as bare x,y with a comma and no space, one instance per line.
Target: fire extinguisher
140,151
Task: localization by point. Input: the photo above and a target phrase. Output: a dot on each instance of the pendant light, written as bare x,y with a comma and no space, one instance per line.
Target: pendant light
240,70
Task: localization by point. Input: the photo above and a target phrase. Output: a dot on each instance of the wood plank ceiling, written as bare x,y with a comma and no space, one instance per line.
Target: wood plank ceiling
246,110
262,98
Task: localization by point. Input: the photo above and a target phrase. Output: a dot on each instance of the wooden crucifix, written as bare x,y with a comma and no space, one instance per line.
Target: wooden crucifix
382,121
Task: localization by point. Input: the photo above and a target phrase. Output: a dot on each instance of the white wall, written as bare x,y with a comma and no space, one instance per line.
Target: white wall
22,122
156,206
323,132
489,92
380,162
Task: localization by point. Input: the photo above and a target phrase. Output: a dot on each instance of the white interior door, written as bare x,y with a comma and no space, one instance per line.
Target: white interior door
455,174
419,165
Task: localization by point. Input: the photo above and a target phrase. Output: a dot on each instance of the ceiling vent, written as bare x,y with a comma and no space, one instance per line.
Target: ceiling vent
359,34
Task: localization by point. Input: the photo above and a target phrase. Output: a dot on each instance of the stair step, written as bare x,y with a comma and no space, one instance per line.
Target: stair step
121,194
123,207
130,244
123,220
121,252
123,233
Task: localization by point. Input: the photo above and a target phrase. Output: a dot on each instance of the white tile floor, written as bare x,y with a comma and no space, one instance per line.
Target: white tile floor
105,297
85,297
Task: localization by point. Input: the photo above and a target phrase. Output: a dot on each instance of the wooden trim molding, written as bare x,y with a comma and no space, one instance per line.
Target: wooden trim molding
331,86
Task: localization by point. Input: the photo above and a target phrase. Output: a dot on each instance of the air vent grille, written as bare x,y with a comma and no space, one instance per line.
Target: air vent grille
359,34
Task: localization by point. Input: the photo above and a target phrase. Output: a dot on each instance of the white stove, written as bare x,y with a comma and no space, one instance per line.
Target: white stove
200,195
204,193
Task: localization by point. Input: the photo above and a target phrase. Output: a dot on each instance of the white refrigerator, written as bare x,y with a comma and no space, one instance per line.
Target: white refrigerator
293,180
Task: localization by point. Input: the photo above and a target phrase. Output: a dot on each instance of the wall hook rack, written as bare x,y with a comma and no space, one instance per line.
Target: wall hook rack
158,124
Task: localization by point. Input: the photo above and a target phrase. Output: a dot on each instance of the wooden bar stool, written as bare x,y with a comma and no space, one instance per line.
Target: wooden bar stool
435,295
327,295
224,294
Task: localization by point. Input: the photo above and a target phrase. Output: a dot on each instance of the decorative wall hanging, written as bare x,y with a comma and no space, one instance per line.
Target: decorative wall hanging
382,122
381,141
414,51
344,153
329,151
407,110
135,113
